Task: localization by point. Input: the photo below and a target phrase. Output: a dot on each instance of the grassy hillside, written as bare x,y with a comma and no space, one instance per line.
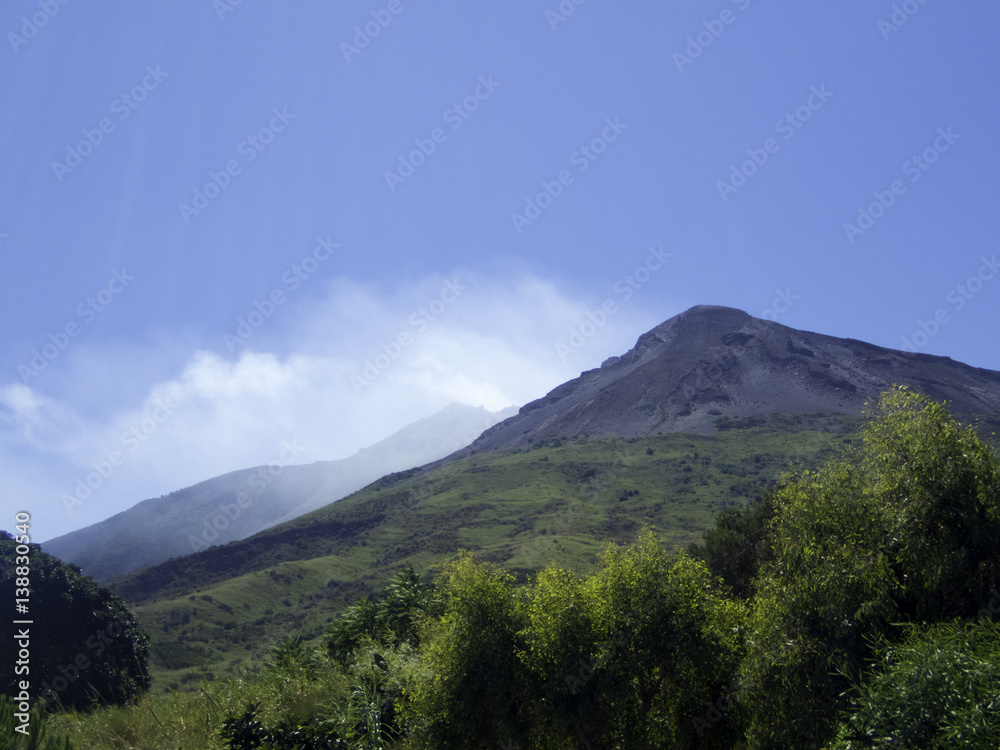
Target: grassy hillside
212,612
857,548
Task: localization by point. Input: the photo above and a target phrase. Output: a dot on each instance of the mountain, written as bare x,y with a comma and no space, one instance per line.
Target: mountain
711,362
224,607
241,503
704,412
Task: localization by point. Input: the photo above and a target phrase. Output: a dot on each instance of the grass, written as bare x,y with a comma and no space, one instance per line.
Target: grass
191,720
524,509
214,618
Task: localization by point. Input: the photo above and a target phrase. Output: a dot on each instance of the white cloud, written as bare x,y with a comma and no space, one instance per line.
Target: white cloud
492,343
42,423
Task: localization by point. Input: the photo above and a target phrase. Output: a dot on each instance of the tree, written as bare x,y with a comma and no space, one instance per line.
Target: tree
641,654
673,644
938,690
739,544
939,491
562,650
84,645
468,685
369,638
906,531
392,619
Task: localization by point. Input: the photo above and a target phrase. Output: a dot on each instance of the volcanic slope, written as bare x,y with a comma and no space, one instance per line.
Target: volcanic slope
705,411
241,503
718,361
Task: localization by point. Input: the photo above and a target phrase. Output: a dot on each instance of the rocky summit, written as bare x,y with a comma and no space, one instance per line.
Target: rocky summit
715,361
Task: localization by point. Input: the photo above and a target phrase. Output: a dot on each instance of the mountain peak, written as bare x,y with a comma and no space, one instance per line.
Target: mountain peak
700,321
711,361
712,311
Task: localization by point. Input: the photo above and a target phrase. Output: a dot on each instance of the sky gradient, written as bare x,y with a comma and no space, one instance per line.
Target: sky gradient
227,225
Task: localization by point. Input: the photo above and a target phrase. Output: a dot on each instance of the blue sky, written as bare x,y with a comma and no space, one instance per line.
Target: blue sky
224,226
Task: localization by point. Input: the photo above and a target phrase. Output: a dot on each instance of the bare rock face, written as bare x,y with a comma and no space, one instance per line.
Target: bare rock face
723,360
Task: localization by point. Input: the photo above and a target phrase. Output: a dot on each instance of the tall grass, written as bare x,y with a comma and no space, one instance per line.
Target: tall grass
191,720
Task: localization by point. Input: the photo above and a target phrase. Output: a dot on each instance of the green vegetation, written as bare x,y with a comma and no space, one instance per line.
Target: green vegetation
394,618
938,689
277,698
84,646
630,655
498,502
849,606
15,735
560,502
906,530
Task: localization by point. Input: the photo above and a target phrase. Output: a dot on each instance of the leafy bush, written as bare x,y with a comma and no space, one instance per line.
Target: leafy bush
245,732
392,618
938,690
905,531
467,688
633,655
86,646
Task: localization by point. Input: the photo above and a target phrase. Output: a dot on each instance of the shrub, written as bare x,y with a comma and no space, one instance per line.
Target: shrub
939,690
905,531
86,646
